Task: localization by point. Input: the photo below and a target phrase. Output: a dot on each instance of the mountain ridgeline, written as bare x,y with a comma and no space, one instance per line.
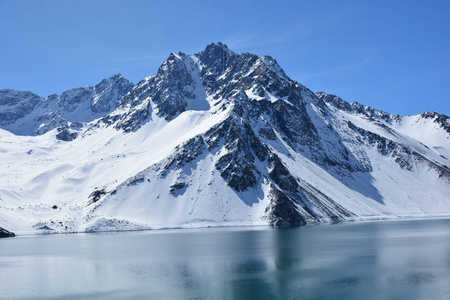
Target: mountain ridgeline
215,139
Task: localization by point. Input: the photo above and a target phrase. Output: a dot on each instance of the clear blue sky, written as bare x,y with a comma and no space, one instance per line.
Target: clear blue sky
392,55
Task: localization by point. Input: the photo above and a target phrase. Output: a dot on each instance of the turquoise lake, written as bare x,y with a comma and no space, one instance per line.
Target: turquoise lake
406,259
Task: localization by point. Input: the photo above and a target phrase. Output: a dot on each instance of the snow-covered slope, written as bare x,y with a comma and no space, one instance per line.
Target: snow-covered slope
213,139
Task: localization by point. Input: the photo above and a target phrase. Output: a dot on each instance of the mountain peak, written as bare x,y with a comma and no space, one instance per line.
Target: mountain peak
116,76
215,46
216,51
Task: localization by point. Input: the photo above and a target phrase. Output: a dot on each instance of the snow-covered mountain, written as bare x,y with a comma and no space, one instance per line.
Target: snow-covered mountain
25,113
213,139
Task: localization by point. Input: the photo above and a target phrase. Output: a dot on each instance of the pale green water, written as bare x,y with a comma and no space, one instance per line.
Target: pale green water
379,260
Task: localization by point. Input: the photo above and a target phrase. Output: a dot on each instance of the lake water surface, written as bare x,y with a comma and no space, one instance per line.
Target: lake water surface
375,260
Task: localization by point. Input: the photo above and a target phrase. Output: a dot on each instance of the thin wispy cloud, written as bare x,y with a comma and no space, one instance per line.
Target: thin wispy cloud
142,58
307,25
425,77
338,70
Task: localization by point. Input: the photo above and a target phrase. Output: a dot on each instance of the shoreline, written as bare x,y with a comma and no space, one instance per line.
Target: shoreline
231,225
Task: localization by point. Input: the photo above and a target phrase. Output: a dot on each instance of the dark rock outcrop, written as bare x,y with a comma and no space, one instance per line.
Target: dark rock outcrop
5,233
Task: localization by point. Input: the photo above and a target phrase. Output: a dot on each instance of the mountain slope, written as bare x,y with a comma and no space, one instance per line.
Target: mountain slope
219,138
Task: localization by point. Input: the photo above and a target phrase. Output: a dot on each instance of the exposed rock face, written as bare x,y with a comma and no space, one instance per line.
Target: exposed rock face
438,118
16,106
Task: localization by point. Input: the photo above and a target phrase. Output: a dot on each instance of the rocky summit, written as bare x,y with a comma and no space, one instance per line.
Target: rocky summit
213,139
